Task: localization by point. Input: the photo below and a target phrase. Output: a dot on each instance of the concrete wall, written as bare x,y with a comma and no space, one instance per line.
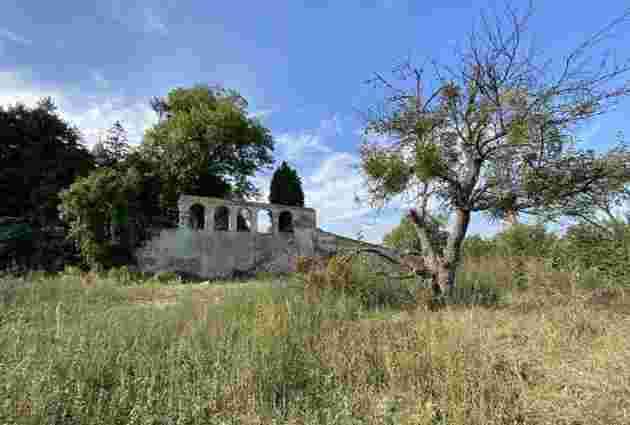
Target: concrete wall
196,247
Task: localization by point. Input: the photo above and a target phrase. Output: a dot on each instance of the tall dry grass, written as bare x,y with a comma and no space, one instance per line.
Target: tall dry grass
85,349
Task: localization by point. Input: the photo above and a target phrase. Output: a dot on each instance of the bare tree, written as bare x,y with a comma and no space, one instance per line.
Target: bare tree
501,108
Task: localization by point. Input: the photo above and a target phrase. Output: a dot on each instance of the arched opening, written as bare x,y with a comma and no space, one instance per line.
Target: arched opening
196,218
171,219
264,220
221,218
243,221
285,222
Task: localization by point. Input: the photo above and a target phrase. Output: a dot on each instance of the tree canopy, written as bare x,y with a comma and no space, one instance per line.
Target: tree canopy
40,154
206,144
113,147
286,187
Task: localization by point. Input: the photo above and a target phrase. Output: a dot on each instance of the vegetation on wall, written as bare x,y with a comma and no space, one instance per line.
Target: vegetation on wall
92,204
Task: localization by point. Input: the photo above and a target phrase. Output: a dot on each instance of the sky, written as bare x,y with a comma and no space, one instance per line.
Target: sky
301,65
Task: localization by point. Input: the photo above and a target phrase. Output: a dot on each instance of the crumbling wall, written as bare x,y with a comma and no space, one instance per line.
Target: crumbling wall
198,248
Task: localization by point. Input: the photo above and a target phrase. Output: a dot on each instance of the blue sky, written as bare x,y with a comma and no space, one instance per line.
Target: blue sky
300,64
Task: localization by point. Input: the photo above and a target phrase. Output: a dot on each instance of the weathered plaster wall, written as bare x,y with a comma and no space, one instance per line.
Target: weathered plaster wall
210,253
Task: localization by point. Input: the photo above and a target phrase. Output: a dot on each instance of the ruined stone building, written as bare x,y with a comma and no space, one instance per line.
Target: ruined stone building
223,238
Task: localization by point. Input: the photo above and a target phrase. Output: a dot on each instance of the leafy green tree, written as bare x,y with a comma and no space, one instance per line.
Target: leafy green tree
89,205
112,209
286,187
101,156
206,144
40,154
113,148
495,102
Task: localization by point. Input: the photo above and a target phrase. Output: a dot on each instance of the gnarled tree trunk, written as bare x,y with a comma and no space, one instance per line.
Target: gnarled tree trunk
444,268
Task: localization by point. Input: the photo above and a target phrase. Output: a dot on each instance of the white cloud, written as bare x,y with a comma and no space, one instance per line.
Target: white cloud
14,37
91,114
134,116
297,145
15,89
144,15
301,145
331,189
336,167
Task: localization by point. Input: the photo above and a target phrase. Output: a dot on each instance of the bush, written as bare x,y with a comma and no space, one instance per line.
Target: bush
357,277
124,276
167,277
9,286
523,240
475,246
479,289
589,248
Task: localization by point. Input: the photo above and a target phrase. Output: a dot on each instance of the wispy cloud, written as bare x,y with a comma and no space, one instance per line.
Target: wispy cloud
14,37
333,124
92,114
15,88
136,117
297,145
144,15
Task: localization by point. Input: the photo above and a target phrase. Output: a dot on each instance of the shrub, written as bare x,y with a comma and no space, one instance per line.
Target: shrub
479,289
9,286
356,276
525,240
475,246
167,277
123,276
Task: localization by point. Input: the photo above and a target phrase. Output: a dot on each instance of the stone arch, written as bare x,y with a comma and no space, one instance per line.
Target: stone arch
285,222
264,220
196,217
221,218
244,220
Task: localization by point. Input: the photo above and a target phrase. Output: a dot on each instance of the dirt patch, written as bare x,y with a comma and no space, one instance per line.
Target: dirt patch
201,293
155,296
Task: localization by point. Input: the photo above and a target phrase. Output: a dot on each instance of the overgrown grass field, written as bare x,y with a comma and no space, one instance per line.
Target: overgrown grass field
83,348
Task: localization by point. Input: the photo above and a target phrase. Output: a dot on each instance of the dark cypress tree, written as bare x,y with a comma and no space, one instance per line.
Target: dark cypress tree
286,187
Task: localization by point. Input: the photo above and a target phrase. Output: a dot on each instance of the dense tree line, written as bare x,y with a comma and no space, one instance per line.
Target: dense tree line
40,155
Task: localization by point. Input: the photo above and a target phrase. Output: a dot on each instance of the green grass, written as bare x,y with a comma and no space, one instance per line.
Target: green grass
120,349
